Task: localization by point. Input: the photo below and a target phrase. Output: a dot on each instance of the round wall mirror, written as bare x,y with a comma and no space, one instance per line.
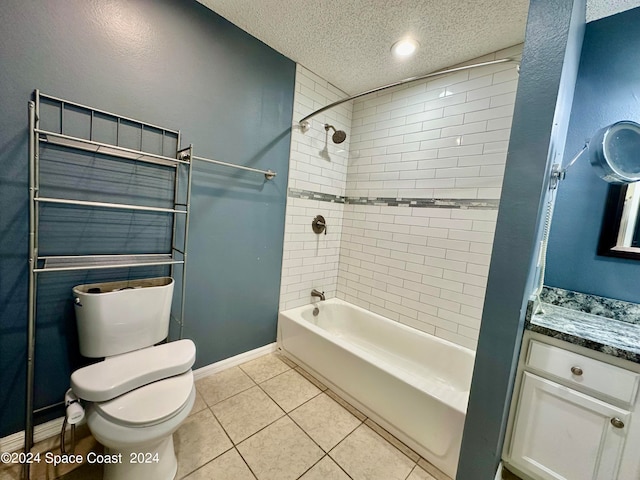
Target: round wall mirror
615,152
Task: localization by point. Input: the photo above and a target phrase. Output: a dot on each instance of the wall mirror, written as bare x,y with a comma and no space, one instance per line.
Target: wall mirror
620,235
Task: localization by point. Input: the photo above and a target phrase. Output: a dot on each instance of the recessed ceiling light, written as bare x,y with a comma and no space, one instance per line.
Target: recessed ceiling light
404,48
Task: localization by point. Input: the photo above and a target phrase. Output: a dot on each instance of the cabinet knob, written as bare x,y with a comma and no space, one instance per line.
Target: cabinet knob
577,371
616,422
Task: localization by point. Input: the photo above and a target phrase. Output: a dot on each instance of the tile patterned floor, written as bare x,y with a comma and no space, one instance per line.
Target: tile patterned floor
268,419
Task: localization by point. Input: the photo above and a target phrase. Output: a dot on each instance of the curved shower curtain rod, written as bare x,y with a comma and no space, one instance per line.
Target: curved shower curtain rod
305,125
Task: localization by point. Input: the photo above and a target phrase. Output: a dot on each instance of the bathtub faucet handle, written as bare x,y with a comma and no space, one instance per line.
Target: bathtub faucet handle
316,293
319,225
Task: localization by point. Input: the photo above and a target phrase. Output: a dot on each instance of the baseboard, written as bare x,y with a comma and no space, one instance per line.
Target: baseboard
233,361
15,441
499,472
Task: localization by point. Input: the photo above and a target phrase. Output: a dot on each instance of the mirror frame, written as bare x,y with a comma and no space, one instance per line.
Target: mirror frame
611,226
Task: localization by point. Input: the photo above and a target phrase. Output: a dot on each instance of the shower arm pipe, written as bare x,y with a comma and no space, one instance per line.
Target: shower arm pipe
303,121
268,174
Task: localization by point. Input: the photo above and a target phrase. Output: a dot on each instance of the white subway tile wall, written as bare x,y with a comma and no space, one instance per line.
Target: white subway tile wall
309,260
317,165
424,267
443,139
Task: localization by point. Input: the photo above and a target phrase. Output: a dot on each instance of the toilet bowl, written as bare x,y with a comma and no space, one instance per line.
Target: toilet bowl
145,448
140,393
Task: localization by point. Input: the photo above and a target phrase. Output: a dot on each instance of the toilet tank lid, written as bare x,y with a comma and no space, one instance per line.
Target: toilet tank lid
120,374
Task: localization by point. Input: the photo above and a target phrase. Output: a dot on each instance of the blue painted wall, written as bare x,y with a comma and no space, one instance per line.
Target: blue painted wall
607,90
170,63
553,39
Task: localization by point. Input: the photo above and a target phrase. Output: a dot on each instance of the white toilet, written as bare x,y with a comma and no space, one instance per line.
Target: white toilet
140,393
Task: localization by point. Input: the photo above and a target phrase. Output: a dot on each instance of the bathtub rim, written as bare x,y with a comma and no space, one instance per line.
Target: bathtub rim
407,328
368,357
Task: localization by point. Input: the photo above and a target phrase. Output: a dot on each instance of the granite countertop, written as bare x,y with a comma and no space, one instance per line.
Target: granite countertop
613,337
618,336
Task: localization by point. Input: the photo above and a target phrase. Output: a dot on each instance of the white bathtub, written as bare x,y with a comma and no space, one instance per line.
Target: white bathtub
412,383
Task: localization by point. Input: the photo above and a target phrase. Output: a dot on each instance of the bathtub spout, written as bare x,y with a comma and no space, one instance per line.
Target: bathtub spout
316,293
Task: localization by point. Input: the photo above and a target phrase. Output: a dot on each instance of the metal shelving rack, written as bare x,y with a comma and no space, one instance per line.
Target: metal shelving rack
44,264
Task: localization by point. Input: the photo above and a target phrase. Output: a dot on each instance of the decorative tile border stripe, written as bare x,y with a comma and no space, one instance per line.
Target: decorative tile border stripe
461,203
322,197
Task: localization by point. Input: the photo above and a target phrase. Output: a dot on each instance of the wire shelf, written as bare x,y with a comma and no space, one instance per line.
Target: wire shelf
105,149
64,263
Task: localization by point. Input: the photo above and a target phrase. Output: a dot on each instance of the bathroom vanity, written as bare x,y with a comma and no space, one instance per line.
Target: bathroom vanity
575,412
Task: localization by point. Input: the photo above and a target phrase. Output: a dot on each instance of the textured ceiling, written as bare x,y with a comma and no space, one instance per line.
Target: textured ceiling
597,9
348,42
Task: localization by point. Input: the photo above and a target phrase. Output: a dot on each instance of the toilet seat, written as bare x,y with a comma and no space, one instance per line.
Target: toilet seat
124,373
150,404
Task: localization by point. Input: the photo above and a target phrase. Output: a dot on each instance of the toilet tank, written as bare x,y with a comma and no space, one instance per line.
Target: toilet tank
120,317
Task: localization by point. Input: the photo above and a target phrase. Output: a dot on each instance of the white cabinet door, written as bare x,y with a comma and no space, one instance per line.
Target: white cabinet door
561,434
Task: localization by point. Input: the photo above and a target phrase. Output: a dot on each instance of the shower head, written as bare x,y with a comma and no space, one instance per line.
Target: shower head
338,136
